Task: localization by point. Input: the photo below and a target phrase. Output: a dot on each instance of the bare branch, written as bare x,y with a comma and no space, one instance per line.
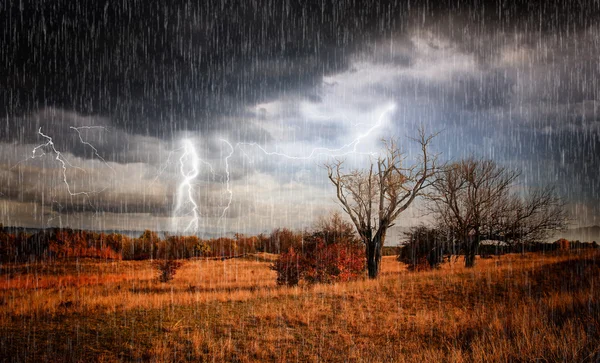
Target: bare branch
387,186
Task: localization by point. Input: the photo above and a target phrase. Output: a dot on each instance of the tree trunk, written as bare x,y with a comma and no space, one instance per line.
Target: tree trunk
472,244
470,259
373,250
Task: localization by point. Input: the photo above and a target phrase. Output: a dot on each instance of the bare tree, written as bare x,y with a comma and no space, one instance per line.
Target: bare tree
375,197
476,200
533,218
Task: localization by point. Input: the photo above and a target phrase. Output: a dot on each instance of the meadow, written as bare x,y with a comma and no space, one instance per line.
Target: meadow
532,307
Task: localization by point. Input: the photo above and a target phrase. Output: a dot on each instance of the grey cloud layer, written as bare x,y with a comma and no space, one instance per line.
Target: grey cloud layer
155,69
510,80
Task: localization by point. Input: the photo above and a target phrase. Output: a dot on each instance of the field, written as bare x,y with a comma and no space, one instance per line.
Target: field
530,307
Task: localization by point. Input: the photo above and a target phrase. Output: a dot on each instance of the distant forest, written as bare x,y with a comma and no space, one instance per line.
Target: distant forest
20,245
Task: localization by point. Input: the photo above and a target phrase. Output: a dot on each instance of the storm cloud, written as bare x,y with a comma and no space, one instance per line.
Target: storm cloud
515,81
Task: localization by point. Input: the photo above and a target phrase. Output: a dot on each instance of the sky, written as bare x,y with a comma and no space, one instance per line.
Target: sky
216,117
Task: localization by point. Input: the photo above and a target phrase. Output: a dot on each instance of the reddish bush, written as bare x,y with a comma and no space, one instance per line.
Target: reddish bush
318,262
288,267
563,244
166,269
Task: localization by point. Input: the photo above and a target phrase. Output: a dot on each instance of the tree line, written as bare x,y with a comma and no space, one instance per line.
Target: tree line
427,247
59,243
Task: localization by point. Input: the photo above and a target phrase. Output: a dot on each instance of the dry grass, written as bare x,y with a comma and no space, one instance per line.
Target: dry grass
512,308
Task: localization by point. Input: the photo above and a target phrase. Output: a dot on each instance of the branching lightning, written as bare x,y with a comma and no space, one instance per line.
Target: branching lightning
344,150
190,160
229,191
65,163
77,129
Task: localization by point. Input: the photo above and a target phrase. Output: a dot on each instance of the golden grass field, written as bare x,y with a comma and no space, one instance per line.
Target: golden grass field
509,308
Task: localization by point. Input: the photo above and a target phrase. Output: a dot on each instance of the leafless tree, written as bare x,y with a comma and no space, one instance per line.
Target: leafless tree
533,218
476,199
375,197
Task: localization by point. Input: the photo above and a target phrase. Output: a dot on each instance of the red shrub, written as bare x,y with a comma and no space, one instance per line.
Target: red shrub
288,267
318,262
166,268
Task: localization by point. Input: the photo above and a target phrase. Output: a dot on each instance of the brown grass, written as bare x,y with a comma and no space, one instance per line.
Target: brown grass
511,308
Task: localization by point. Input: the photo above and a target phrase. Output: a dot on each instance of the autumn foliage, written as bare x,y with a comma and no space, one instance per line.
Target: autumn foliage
329,254
166,268
63,243
319,262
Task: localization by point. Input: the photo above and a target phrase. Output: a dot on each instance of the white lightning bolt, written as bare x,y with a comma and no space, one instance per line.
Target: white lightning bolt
77,129
229,191
64,162
190,159
327,151
315,152
167,163
185,190
192,150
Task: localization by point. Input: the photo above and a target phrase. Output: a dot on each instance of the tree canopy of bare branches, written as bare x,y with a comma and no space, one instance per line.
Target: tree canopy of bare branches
476,199
374,197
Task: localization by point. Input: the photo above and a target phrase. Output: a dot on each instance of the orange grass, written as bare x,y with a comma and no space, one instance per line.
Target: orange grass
510,308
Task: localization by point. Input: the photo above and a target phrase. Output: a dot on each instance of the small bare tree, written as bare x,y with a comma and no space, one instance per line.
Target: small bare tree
375,197
533,218
476,199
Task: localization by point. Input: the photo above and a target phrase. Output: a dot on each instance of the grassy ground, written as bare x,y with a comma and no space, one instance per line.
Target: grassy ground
509,308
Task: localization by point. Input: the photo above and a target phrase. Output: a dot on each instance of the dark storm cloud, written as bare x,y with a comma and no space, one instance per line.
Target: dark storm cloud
124,205
155,69
152,72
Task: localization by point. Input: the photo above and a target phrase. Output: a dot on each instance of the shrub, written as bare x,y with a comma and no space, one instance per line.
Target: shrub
335,262
423,249
288,267
319,262
166,269
201,248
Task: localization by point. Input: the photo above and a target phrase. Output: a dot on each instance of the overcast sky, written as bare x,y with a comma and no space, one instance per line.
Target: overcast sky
123,115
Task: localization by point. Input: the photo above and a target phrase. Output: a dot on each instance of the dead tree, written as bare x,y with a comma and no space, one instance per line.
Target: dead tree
376,196
476,200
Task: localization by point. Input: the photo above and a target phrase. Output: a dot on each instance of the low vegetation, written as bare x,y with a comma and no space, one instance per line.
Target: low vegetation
330,253
166,268
532,307
424,249
70,295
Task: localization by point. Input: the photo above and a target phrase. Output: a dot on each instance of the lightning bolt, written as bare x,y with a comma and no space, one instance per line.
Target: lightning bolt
315,152
65,163
167,163
77,129
191,159
351,147
229,191
188,150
